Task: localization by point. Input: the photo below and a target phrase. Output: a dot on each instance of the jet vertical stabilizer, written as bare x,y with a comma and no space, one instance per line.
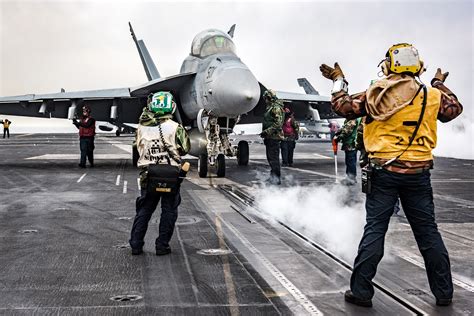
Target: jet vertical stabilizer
231,31
308,88
147,61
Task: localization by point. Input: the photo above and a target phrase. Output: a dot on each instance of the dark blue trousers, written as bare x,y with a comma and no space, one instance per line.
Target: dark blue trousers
86,145
287,150
351,163
272,147
146,205
416,196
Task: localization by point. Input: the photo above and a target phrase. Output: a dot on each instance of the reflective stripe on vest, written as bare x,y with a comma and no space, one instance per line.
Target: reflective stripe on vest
150,146
387,139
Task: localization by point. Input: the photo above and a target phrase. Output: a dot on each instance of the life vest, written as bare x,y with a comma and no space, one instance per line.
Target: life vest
6,124
288,129
351,139
86,131
387,139
150,145
273,118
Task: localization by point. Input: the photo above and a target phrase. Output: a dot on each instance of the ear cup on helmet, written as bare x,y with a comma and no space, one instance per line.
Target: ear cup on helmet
174,107
422,68
385,67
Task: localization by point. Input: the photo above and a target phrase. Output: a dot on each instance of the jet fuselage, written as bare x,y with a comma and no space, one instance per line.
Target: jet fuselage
223,85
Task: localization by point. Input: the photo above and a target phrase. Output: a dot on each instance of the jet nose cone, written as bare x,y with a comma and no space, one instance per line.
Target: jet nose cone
236,91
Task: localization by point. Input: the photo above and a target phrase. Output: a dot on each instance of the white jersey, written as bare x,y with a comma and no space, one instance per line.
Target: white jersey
150,145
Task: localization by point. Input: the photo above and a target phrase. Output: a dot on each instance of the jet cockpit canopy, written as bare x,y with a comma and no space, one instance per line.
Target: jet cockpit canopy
211,42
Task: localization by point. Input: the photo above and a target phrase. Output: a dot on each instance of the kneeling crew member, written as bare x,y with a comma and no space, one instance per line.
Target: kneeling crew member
159,140
86,126
399,135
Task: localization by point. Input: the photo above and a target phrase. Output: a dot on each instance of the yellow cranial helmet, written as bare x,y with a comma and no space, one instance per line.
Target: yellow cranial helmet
402,58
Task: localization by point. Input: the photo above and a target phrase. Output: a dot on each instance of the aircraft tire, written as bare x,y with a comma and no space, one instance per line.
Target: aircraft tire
243,153
220,165
117,132
202,165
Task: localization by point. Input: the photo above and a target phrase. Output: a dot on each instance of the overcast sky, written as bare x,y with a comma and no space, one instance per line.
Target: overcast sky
81,45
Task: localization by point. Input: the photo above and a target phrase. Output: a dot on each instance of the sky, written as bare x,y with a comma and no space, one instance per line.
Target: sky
85,45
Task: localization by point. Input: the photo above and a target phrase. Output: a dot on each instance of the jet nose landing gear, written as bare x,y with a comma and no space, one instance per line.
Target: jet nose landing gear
220,165
202,165
204,162
218,145
243,153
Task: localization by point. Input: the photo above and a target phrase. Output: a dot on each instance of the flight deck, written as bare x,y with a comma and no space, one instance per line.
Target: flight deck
64,237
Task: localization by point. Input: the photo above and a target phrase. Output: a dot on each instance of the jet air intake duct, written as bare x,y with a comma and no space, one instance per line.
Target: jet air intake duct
198,142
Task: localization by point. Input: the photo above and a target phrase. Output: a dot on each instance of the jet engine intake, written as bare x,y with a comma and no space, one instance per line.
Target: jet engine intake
198,142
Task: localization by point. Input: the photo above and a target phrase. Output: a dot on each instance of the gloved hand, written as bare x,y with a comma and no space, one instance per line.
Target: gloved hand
263,134
439,76
331,73
74,121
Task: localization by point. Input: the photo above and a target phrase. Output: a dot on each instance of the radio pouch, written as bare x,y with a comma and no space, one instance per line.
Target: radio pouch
162,178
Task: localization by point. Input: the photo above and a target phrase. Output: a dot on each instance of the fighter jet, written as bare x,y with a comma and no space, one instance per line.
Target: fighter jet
313,124
214,91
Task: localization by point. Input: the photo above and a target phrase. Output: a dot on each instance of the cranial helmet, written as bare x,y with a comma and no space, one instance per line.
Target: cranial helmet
402,58
161,103
86,108
269,95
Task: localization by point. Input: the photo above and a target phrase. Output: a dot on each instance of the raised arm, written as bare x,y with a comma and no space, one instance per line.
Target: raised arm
450,107
344,104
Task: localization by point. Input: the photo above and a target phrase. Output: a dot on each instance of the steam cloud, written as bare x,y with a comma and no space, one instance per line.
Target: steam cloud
331,215
455,139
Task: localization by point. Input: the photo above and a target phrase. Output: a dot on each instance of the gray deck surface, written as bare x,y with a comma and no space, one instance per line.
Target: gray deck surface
64,240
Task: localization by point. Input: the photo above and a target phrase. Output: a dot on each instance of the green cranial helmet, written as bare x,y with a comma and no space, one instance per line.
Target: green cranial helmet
161,103
270,95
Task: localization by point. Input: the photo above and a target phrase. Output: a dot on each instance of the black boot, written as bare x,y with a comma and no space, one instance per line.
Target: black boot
350,298
443,301
161,251
137,251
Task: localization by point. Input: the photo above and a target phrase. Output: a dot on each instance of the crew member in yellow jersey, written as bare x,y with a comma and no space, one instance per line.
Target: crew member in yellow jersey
399,135
6,128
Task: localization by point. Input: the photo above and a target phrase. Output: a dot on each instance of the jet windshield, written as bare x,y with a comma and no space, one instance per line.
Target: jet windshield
211,42
217,44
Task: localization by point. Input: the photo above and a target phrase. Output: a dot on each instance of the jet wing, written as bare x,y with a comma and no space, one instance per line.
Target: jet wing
112,105
172,84
305,106
58,105
308,106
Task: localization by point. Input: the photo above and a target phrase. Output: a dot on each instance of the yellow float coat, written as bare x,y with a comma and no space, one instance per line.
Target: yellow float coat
387,139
